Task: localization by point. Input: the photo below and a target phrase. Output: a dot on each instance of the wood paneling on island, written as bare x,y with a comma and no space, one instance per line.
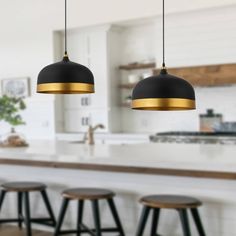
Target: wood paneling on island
208,75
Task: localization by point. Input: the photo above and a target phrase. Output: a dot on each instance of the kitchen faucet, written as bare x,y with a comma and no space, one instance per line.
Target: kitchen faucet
89,135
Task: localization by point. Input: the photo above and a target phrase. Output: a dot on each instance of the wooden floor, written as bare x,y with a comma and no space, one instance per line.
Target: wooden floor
13,231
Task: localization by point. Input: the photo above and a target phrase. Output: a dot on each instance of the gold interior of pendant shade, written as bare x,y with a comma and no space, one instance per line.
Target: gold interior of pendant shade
167,104
65,88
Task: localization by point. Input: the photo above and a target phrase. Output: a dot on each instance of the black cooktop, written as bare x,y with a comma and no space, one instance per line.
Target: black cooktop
190,133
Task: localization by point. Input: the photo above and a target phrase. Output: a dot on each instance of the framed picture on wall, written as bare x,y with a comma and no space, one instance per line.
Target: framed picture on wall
16,87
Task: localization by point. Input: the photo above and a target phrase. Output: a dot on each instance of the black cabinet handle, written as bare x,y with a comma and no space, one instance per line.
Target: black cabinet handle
88,101
87,121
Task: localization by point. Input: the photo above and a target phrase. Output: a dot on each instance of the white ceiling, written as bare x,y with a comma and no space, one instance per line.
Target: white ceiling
35,14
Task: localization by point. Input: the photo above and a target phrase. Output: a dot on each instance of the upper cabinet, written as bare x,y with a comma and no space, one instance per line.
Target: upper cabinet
93,47
88,47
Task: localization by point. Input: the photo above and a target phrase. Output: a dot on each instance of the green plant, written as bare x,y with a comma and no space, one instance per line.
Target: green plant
10,108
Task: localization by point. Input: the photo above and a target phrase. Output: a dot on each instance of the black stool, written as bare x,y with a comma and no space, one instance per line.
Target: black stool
94,195
179,203
23,189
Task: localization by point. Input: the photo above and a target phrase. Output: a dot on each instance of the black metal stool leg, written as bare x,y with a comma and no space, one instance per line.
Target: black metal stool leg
27,214
116,216
61,216
19,209
143,221
96,217
48,206
184,221
197,221
155,219
2,196
80,216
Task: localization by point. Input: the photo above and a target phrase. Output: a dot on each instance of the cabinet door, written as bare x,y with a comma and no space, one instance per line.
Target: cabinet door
89,48
74,101
79,120
78,47
100,117
76,120
98,65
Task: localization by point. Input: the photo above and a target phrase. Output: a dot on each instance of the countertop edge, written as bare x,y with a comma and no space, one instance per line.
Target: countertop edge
124,169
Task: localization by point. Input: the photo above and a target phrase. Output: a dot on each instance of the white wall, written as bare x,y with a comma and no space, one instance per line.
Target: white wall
24,55
138,41
193,38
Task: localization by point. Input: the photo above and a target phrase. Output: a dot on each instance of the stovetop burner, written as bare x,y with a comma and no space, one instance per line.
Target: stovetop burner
194,137
193,133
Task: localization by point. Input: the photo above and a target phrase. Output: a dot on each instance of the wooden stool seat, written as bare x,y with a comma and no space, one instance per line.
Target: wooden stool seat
23,191
87,194
181,204
93,196
170,201
23,186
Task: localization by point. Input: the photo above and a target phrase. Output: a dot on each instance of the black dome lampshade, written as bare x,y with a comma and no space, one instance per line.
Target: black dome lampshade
164,92
65,77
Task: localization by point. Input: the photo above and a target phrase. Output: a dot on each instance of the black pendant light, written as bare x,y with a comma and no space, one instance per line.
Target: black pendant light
164,92
65,77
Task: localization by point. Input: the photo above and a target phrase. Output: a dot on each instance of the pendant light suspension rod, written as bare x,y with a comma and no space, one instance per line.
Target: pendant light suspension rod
163,33
65,27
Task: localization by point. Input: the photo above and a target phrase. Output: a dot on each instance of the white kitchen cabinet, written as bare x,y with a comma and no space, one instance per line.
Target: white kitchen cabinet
76,120
75,101
93,47
99,66
89,47
79,120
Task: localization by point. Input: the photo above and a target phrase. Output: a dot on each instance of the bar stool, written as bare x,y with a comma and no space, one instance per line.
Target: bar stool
23,201
93,195
179,203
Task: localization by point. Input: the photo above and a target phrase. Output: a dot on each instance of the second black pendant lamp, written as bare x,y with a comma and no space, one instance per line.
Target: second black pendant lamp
164,92
65,77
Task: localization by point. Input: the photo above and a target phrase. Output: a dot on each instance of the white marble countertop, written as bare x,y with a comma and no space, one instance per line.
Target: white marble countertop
202,157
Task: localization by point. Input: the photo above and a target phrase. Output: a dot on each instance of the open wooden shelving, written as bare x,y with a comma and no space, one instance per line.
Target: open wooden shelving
129,67
206,75
138,66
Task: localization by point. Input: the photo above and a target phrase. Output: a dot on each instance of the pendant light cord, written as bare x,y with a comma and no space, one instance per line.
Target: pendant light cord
65,27
163,33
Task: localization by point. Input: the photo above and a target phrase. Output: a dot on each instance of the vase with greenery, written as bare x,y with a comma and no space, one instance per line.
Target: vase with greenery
10,108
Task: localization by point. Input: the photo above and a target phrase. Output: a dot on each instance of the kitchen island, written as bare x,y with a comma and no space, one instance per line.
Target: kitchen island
193,160
132,171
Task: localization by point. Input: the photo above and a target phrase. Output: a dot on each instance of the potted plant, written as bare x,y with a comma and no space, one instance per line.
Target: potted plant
10,108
